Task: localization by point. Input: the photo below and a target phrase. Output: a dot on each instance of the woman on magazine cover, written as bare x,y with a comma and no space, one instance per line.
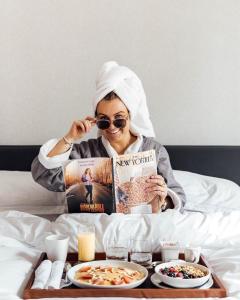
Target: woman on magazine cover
87,180
121,114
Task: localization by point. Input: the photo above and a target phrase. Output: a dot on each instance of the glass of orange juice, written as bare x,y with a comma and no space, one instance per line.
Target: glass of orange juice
86,242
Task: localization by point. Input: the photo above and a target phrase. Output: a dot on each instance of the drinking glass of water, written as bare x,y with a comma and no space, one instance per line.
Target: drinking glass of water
117,249
141,252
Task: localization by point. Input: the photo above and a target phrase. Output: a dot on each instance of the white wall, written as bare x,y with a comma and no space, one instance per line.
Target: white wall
187,53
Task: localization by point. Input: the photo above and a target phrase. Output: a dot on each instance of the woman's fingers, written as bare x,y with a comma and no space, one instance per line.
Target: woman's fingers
156,187
157,191
79,124
89,122
92,120
80,127
87,125
156,176
156,179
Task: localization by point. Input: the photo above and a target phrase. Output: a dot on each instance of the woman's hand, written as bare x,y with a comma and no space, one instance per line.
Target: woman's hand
79,128
157,186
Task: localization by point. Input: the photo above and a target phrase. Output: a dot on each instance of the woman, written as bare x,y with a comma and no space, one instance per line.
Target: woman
122,116
87,180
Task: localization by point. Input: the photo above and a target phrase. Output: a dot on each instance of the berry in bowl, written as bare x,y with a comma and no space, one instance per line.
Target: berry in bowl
183,274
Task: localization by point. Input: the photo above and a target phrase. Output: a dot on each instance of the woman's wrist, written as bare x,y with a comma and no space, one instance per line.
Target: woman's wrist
67,141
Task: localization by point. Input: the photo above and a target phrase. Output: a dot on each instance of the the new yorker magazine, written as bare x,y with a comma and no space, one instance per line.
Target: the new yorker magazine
130,174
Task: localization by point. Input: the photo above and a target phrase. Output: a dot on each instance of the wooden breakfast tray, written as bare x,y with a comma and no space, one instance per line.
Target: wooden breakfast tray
145,290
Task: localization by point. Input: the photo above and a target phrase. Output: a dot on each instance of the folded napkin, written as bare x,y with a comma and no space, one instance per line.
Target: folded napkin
54,279
42,274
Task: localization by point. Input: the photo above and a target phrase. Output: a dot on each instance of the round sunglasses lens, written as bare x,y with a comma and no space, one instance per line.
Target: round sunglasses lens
103,124
120,123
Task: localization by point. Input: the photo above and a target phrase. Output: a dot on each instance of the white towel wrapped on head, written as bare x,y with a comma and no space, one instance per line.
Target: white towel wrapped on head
126,84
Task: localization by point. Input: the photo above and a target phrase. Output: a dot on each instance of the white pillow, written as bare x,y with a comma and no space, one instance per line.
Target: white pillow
18,191
208,194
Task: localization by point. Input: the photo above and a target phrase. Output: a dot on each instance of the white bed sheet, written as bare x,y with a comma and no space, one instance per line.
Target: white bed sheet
22,236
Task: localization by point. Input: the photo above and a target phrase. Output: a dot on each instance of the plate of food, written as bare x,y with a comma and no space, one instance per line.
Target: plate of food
108,274
181,274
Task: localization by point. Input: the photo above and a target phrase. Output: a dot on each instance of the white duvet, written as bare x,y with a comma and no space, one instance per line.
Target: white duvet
22,236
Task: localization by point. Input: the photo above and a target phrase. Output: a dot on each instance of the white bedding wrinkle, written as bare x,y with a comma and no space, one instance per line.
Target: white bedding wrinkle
208,194
16,264
217,233
24,227
214,230
6,295
226,264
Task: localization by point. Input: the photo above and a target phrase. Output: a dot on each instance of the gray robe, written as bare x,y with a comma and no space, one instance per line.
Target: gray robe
53,180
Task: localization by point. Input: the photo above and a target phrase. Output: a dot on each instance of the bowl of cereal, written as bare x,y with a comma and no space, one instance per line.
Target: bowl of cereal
181,274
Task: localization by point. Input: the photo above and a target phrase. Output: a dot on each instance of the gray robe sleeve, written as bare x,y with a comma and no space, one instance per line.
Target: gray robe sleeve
164,168
51,179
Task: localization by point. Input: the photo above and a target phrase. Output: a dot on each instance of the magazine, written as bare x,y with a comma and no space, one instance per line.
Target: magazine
106,185
130,174
88,183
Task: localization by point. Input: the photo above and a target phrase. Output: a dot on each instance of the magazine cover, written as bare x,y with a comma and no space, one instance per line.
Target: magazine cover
130,174
88,184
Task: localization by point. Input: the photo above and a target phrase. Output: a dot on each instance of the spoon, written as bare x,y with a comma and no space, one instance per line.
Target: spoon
155,263
67,267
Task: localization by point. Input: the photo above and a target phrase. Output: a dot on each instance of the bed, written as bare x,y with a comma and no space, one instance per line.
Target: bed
209,174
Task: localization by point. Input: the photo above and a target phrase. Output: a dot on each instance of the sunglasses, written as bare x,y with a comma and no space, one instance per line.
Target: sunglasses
105,123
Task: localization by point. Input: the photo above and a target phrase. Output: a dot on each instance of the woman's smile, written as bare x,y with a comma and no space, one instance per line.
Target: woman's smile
113,132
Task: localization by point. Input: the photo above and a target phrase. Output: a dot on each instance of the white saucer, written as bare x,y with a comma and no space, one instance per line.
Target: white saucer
156,281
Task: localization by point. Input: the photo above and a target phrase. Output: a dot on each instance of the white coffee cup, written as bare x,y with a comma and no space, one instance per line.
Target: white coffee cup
192,254
56,246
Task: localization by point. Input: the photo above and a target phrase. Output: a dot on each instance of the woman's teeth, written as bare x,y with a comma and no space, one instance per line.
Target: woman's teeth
114,132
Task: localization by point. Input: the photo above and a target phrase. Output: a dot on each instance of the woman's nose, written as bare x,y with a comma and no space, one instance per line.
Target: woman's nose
112,126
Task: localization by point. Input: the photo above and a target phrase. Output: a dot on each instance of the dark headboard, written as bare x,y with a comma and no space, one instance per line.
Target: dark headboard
218,161
17,158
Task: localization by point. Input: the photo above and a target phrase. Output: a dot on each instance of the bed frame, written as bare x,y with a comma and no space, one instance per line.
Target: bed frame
218,161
